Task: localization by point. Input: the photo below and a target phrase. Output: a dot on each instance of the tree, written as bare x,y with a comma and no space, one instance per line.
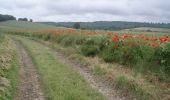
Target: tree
31,20
22,19
76,25
6,17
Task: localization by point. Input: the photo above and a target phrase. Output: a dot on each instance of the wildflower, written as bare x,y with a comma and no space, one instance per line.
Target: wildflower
115,39
141,35
153,45
147,39
164,39
127,37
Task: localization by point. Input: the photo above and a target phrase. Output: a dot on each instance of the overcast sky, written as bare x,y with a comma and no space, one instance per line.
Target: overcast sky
88,10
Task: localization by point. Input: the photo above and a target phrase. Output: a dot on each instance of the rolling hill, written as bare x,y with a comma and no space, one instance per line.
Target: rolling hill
109,25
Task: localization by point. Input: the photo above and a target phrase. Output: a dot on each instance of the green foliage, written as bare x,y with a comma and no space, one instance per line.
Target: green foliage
45,37
89,50
70,40
162,56
131,55
110,54
93,45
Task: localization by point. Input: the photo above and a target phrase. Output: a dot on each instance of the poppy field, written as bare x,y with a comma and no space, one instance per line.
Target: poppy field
142,52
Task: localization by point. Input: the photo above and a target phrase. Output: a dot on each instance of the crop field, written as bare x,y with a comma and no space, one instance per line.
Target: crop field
134,64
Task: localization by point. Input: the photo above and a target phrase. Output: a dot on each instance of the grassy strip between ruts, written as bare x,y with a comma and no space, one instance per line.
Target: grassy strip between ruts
8,69
60,81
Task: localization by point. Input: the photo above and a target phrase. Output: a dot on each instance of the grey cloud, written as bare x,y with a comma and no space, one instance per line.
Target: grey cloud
89,10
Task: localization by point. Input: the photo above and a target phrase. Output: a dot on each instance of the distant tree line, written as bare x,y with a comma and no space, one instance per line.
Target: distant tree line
25,19
22,19
10,17
6,17
109,25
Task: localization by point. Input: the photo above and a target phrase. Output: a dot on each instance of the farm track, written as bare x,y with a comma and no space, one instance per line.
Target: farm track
29,86
95,81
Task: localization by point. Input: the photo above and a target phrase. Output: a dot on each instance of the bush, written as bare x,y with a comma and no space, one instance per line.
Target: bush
162,56
71,40
93,45
89,50
132,55
110,54
46,37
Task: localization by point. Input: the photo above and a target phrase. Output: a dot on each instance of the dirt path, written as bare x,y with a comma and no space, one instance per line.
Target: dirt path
29,87
95,81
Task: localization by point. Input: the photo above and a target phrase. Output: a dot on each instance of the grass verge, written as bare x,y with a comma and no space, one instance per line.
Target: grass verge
8,69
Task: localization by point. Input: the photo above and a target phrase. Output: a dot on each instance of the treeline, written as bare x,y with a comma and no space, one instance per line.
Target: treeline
25,19
10,17
110,25
6,17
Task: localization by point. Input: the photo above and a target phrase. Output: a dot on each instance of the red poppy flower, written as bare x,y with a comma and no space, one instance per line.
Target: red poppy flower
127,37
153,45
115,39
162,40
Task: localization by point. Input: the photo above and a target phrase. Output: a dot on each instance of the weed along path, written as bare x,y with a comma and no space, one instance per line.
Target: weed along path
29,87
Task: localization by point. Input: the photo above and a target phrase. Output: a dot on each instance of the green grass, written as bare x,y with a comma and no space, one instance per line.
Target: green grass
123,83
1,37
60,81
97,70
10,73
24,25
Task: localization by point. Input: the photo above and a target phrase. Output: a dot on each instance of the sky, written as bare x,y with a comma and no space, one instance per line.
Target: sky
88,10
